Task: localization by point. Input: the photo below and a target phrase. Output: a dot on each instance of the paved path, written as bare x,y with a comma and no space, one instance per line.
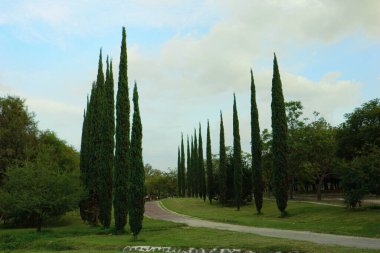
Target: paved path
154,210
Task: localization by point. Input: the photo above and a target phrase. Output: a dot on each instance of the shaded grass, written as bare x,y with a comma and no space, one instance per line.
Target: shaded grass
302,216
75,236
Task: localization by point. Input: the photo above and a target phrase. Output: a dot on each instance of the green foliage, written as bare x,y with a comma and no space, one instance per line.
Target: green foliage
222,175
201,168
18,131
210,173
237,162
361,130
280,146
195,162
179,177
188,171
361,176
160,184
183,173
38,191
122,157
258,186
137,190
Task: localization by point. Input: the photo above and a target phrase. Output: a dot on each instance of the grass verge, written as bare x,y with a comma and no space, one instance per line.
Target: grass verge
302,216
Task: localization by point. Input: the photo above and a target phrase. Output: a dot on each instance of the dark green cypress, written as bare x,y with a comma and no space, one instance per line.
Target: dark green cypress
195,162
109,145
201,167
222,165
137,190
237,160
101,150
179,177
183,170
121,167
188,171
192,172
83,165
210,176
256,150
280,146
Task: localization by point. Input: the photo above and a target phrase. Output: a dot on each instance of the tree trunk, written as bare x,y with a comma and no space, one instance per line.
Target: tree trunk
39,223
291,189
319,186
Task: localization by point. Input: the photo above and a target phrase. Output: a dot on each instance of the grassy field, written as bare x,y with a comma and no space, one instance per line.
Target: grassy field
302,216
71,235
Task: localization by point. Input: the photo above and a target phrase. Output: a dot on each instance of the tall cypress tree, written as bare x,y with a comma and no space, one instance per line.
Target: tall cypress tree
201,168
256,150
83,164
121,169
237,161
179,177
210,176
280,146
137,191
222,165
183,176
192,162
188,171
195,162
108,148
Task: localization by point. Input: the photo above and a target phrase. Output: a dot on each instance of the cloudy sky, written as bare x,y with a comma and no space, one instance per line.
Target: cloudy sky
188,58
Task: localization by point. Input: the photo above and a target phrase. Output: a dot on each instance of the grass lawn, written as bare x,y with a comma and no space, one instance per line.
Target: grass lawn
302,216
71,235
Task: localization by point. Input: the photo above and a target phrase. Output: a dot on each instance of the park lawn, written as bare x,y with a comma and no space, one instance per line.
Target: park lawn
71,235
302,216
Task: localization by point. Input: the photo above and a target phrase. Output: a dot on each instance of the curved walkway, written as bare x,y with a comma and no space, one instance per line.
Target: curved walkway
154,210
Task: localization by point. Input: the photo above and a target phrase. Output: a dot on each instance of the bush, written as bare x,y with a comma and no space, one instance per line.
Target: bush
38,191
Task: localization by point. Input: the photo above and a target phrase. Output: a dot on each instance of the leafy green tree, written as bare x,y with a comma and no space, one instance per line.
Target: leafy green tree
360,132
237,162
160,184
188,171
18,130
183,173
122,156
38,191
201,167
280,146
192,164
137,190
210,174
320,149
222,165
258,186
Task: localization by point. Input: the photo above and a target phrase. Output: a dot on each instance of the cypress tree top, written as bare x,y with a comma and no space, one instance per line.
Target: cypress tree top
256,150
122,158
280,147
137,191
237,158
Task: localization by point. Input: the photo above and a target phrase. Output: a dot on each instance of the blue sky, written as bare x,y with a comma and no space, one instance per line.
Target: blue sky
188,58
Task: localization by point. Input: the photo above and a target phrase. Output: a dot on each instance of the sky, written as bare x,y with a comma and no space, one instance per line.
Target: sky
188,59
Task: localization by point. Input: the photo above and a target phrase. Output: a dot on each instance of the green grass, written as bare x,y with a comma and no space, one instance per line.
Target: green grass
302,216
71,235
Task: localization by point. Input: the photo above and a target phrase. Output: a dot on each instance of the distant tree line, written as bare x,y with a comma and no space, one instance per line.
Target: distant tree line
298,155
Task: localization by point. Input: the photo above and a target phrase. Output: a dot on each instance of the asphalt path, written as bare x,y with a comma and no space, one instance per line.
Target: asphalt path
154,210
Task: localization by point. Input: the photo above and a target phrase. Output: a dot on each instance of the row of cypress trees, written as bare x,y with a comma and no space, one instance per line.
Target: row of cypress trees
112,178
191,181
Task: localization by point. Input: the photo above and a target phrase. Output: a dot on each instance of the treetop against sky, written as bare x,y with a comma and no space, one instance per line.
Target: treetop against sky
188,58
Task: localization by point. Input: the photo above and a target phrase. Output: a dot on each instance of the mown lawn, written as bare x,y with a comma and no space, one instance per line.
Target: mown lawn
71,235
302,216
